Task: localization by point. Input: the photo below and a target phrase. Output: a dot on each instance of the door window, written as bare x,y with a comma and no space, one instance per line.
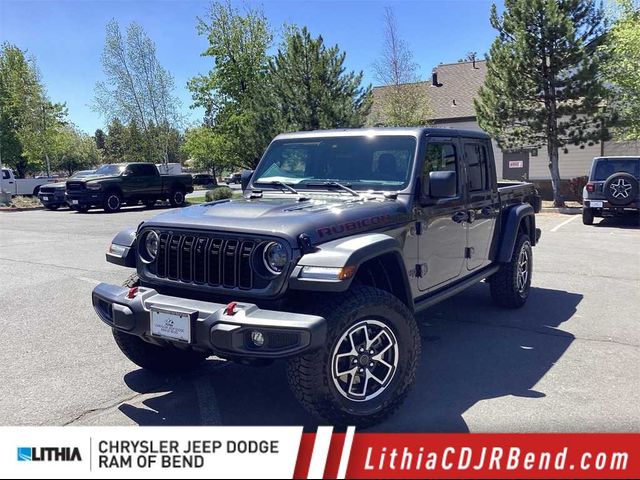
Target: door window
5,174
440,157
477,167
142,170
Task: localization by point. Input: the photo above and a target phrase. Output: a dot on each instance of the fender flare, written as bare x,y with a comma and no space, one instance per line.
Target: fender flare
514,216
122,250
350,251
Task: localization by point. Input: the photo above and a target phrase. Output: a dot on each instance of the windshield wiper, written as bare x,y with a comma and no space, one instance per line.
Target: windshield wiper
333,185
278,183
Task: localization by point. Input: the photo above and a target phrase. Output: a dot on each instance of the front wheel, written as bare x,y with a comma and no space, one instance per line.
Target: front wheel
112,202
510,285
587,216
368,364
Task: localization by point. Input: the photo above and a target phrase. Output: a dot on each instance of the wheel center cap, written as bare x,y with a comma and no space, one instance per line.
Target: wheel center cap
364,360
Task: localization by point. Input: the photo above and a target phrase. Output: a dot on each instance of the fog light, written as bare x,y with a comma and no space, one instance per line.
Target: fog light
257,338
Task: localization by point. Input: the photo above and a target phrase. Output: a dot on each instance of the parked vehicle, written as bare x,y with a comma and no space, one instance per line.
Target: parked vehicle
233,178
51,195
21,186
203,179
340,239
112,185
612,188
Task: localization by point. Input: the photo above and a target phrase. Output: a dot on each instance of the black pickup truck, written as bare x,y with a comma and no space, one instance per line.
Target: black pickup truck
342,237
113,185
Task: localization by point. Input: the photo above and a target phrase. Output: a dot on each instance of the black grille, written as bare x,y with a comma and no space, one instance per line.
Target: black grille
208,260
46,190
72,186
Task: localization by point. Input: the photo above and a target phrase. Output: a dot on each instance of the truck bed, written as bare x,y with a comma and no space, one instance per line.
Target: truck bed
511,192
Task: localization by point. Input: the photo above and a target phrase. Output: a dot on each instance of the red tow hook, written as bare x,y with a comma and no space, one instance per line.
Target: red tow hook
133,291
230,309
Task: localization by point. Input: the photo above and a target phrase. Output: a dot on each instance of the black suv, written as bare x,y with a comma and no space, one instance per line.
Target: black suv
612,188
342,237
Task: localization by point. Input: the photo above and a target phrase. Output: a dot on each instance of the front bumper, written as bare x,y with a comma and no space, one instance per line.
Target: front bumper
80,198
51,199
213,330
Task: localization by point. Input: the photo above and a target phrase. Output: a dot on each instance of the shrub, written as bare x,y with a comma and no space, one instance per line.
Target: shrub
219,193
576,185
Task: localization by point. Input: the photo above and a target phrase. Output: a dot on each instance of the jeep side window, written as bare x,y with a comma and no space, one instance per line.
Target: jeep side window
477,167
440,157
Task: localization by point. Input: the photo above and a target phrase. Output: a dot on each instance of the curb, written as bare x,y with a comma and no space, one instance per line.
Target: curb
20,209
564,210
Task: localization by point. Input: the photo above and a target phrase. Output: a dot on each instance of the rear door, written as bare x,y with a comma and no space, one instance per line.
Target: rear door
482,201
443,238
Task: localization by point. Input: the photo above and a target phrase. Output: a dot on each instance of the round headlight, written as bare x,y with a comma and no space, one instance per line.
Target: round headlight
275,257
151,243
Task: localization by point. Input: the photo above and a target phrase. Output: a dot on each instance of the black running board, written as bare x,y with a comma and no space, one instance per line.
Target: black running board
438,296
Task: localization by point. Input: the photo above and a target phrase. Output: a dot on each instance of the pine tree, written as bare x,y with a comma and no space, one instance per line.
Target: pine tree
99,139
542,86
312,87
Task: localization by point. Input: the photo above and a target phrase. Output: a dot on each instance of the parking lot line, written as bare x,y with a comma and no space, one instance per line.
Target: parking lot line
557,227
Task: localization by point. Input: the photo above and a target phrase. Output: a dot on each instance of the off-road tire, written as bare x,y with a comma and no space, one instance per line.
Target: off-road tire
153,357
310,376
504,283
177,198
631,191
112,202
587,215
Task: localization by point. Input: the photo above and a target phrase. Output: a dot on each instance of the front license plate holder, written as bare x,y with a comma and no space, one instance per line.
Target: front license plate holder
172,324
596,204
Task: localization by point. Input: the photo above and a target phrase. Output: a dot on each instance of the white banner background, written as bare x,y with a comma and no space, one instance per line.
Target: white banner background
220,464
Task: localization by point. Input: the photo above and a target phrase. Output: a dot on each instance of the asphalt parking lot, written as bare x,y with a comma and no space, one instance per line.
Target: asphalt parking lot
567,361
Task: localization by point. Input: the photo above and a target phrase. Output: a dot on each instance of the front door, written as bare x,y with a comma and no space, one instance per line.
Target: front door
515,165
482,202
443,238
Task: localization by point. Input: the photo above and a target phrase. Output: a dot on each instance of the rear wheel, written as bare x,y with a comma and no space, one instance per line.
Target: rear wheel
177,198
368,364
587,215
112,202
510,285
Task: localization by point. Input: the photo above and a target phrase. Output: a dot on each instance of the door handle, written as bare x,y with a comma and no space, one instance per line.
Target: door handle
459,217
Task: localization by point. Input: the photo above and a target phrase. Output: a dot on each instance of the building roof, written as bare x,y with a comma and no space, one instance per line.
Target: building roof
457,86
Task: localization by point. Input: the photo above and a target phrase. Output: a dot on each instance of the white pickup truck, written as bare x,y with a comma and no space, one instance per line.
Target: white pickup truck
21,186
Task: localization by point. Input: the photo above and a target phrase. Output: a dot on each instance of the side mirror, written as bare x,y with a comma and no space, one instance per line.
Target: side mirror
442,184
245,178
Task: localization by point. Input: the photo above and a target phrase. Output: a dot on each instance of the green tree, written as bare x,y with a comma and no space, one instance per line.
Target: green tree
205,150
28,120
404,101
542,86
100,139
137,88
136,148
236,94
73,150
622,68
116,141
311,85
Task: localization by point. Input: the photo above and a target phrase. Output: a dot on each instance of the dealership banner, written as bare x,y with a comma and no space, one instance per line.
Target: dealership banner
287,452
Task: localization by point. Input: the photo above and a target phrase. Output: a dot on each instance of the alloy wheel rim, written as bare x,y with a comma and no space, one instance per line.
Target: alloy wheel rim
365,360
177,197
113,202
620,189
523,268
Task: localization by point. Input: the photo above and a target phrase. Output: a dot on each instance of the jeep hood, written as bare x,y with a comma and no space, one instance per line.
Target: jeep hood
321,219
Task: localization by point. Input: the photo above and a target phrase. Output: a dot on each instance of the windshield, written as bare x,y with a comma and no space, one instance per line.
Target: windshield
82,174
605,168
112,169
365,162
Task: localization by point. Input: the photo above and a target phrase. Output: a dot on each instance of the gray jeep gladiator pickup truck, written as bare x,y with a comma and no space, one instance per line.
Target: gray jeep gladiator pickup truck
342,237
612,188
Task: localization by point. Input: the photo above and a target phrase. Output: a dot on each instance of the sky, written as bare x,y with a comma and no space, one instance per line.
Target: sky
66,37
